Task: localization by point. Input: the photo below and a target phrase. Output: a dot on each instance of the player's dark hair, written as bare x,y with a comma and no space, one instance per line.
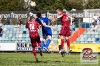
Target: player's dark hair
38,15
59,34
31,17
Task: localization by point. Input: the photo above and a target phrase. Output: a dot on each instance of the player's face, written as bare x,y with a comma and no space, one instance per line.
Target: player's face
32,18
58,12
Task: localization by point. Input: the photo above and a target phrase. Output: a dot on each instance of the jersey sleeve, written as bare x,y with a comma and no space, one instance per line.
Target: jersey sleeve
27,25
39,21
64,14
38,25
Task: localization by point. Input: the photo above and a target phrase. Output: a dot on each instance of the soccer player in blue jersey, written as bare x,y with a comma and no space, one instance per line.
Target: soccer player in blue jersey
46,31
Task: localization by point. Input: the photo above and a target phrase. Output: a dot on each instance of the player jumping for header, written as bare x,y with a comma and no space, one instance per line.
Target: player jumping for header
46,31
65,30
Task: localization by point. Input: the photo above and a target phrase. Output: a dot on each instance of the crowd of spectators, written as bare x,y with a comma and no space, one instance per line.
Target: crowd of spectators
8,21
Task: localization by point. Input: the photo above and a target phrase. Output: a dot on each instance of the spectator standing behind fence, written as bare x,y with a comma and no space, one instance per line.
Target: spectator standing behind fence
0,19
1,22
8,20
94,27
99,19
94,22
1,31
95,18
73,23
19,20
18,25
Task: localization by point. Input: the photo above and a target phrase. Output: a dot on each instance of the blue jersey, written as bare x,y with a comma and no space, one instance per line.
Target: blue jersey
45,30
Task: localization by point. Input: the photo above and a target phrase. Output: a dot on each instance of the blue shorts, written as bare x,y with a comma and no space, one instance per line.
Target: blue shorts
0,35
47,32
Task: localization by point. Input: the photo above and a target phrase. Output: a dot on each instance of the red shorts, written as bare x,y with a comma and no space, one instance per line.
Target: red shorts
35,38
65,31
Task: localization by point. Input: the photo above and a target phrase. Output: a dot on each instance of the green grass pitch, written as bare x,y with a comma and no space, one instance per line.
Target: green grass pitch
27,59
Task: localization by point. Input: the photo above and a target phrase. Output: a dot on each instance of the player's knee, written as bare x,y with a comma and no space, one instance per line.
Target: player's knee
67,38
50,37
33,46
62,37
43,39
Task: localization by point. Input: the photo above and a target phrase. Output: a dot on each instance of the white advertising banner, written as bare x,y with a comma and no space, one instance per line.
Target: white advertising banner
7,46
89,15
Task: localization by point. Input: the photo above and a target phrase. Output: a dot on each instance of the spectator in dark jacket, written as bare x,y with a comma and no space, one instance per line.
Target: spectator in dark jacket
8,20
1,31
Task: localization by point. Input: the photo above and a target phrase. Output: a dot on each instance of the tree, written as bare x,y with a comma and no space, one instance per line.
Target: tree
54,4
76,4
43,5
92,4
12,5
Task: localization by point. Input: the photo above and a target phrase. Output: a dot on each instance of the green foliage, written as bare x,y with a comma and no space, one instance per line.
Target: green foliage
77,4
92,4
12,5
41,5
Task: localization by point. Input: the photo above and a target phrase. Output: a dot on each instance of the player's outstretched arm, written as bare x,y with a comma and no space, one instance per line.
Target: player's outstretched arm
59,16
46,25
42,23
55,19
71,19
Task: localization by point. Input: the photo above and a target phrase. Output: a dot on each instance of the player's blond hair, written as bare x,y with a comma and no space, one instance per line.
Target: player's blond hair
58,10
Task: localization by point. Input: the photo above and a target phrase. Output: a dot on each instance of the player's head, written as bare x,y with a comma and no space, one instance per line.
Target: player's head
43,15
31,18
59,11
95,14
59,35
38,15
19,16
94,23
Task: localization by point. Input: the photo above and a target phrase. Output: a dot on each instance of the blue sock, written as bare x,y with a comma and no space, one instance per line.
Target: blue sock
48,43
42,45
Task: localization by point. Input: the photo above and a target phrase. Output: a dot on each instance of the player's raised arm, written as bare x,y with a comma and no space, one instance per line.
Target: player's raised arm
59,15
52,18
44,24
40,21
71,19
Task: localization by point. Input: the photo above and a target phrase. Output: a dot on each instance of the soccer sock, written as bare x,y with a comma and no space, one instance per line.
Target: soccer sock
68,43
42,44
62,43
48,43
34,52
